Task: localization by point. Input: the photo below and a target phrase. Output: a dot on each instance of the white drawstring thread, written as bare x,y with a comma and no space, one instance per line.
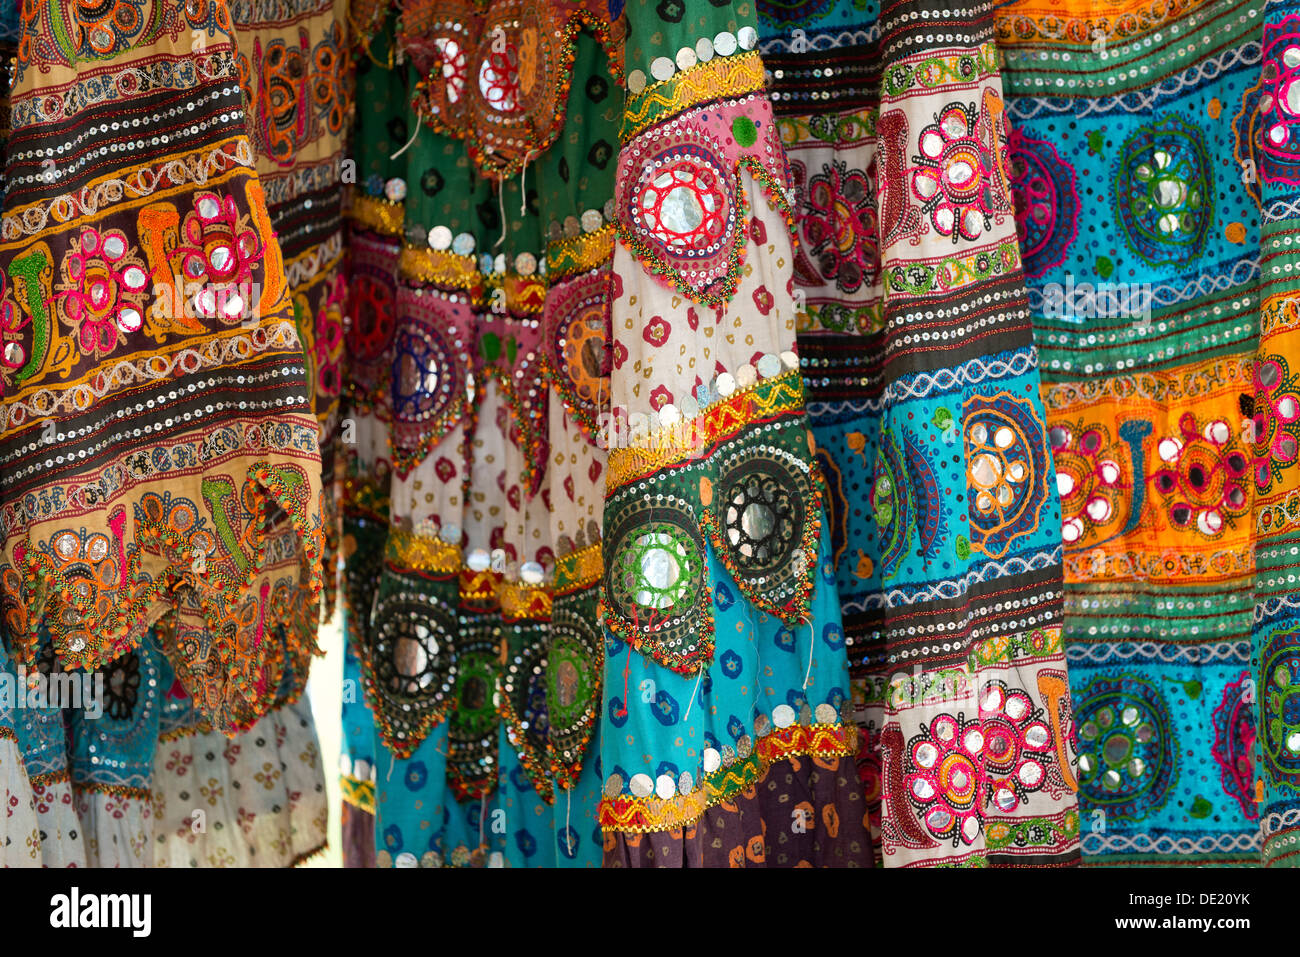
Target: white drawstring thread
690,704
568,832
501,195
523,179
419,121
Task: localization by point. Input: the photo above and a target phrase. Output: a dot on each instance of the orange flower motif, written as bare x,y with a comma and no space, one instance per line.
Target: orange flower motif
831,821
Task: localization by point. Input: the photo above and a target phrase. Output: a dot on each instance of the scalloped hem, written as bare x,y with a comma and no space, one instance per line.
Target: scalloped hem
802,812
820,742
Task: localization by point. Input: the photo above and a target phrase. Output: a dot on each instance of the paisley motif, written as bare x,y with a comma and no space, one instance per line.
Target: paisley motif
1234,743
1248,142
1006,470
104,28
892,504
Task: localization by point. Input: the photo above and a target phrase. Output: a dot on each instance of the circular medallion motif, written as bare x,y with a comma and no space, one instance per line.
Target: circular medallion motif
573,684
1127,750
1274,125
1090,479
1234,743
1204,476
411,659
839,224
679,201
577,317
1047,202
1163,191
762,491
495,76
523,683
1280,709
427,384
369,327
472,726
955,179
654,583
1276,420
959,771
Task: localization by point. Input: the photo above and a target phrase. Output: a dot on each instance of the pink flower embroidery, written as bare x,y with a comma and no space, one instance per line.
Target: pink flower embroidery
1276,421
839,225
104,294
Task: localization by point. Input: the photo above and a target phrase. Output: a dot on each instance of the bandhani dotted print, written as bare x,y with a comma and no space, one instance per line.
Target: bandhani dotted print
1127,752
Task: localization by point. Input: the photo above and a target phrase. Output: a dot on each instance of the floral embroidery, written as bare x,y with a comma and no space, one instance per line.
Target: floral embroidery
1203,476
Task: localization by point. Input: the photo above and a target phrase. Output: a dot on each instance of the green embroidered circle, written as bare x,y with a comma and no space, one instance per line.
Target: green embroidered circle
744,131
